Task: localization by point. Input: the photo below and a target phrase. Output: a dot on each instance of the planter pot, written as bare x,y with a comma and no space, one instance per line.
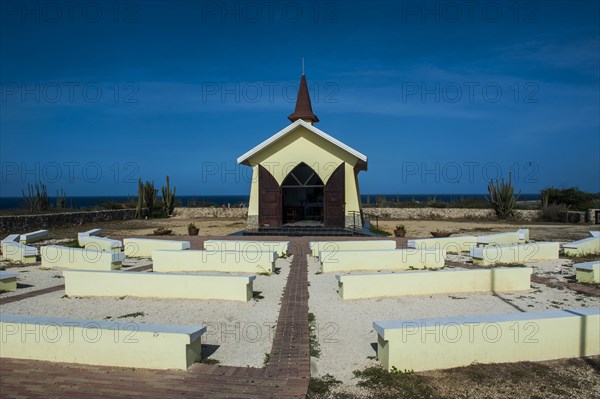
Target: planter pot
399,233
193,231
440,234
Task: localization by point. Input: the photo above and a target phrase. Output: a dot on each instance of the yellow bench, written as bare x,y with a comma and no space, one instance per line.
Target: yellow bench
14,251
143,247
100,244
280,247
385,259
509,238
28,238
90,233
360,286
453,245
100,342
521,253
55,256
587,246
588,272
318,246
440,343
222,261
158,285
8,281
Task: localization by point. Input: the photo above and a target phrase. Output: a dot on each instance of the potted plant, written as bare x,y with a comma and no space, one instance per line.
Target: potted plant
400,231
193,230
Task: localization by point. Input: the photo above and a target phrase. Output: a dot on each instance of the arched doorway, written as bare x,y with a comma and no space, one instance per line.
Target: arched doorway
302,197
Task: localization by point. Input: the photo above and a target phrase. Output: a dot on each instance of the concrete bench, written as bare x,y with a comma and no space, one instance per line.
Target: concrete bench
55,256
100,342
14,251
143,247
86,234
453,245
595,233
510,238
280,247
318,246
159,285
440,343
101,244
385,259
28,238
8,281
521,253
588,272
222,261
587,246
360,286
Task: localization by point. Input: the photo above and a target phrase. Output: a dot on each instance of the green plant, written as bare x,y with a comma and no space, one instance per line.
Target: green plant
191,226
384,384
149,196
266,360
205,360
38,200
136,314
401,227
168,197
313,339
61,199
322,385
502,198
140,199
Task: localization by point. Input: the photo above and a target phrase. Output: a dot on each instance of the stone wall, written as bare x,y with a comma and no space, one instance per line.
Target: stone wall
446,213
23,223
210,212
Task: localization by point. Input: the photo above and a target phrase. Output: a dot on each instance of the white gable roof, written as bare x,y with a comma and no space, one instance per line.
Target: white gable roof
291,128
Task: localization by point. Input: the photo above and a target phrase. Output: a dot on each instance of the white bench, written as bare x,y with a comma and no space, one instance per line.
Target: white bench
222,261
439,343
101,244
143,247
100,342
55,256
280,247
587,272
453,245
318,246
86,234
28,238
521,253
159,285
361,286
510,238
385,259
14,251
587,246
595,233
8,281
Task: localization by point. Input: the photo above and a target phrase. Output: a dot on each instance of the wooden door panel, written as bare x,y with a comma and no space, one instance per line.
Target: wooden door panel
269,199
334,199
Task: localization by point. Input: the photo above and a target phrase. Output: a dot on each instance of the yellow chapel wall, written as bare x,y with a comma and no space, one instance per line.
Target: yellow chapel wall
302,145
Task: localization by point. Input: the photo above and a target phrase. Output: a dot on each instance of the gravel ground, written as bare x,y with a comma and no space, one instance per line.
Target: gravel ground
348,341
238,334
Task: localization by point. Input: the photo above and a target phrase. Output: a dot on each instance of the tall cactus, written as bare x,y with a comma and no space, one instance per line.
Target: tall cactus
149,196
502,198
61,199
168,197
140,199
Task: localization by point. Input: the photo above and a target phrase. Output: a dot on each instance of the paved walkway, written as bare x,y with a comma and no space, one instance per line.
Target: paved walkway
286,375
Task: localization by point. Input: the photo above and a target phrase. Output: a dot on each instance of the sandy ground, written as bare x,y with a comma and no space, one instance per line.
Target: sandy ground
238,334
345,328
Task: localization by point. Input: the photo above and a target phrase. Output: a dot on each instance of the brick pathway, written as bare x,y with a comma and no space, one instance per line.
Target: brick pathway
286,375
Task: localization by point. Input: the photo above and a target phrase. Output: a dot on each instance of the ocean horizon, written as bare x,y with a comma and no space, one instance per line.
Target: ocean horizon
85,202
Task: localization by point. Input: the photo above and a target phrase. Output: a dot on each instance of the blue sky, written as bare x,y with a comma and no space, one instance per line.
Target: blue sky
441,96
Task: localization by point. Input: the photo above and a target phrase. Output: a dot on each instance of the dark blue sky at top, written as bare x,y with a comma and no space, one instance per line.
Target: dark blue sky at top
441,96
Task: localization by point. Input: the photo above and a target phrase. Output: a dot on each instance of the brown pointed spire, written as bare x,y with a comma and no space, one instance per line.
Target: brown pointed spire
303,108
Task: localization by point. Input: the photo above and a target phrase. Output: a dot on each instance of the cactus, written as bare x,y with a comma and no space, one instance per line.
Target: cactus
502,198
29,198
140,200
149,196
168,197
61,199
